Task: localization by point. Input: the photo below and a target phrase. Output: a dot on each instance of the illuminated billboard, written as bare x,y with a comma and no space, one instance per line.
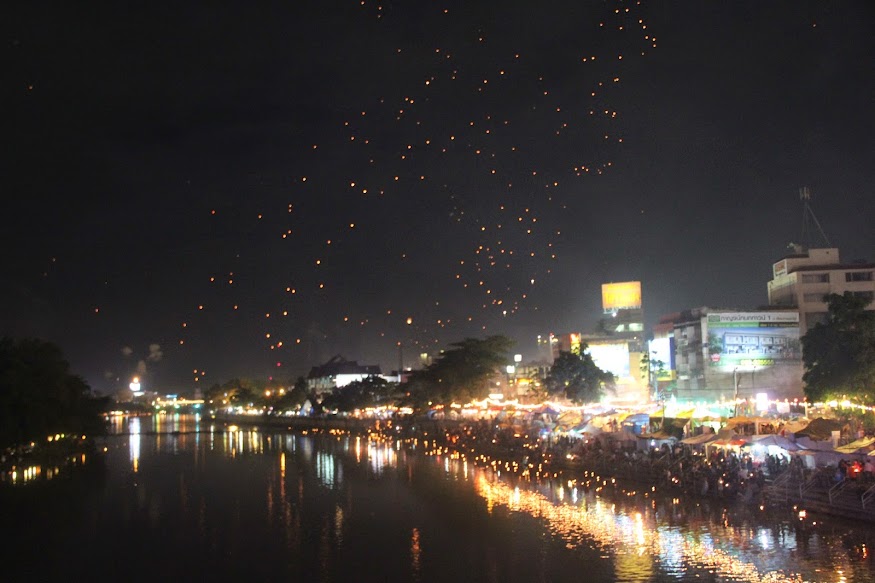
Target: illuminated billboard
611,357
661,352
748,340
625,295
574,343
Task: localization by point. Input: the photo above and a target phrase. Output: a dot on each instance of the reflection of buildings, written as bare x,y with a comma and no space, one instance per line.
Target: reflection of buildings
721,353
802,280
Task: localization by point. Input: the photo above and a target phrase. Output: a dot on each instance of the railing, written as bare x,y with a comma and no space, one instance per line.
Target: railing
834,490
816,479
780,485
866,496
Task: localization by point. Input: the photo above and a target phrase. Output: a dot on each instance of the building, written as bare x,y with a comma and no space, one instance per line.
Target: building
623,310
803,279
721,355
662,350
527,382
617,346
339,372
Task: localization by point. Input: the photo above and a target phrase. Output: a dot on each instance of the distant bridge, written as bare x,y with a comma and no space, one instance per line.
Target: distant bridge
173,402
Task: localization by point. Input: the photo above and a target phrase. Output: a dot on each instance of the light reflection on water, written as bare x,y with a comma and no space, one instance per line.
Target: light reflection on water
641,544
317,501
134,442
381,456
637,543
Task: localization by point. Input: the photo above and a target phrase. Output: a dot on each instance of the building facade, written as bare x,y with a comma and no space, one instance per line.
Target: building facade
339,372
618,344
721,355
802,281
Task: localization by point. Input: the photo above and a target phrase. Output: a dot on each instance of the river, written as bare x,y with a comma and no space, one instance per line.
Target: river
179,498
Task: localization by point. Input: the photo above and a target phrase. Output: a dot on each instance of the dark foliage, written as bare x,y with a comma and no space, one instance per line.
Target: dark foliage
462,373
576,376
40,397
839,355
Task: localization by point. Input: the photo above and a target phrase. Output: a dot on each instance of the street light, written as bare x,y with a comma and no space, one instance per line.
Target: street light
135,387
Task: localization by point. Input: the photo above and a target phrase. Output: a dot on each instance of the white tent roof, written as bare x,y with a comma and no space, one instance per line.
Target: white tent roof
699,439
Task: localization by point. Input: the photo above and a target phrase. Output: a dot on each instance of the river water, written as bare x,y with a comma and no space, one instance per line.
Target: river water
176,498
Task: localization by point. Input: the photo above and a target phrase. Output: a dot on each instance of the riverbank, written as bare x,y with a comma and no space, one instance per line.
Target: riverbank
56,454
679,470
275,504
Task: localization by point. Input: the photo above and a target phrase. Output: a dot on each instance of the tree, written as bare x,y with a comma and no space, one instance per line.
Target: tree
538,392
294,397
367,392
40,397
576,376
652,370
839,355
461,373
234,392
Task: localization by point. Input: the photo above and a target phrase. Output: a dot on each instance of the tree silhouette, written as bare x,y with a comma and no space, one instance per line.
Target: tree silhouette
577,377
368,392
839,355
461,373
40,397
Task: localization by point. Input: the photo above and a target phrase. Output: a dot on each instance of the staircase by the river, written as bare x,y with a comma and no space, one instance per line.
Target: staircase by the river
820,492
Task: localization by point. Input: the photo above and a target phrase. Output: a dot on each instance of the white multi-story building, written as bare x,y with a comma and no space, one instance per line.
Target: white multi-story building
339,372
803,280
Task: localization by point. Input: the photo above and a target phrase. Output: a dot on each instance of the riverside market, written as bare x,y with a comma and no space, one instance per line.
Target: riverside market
778,452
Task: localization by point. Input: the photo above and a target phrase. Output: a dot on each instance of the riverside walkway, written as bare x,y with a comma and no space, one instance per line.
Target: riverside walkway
820,491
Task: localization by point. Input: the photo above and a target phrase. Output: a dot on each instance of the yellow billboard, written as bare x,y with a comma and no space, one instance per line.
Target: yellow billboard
625,295
574,342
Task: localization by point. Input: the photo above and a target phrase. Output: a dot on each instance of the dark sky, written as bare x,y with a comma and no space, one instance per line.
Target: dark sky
194,179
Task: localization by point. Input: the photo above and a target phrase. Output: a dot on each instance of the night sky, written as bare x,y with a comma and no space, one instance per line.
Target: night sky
241,189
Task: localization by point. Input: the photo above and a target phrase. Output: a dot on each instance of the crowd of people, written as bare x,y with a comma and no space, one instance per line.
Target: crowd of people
721,473
717,471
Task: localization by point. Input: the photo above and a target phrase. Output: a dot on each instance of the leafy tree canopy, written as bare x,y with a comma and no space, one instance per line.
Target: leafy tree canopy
653,369
461,373
576,376
839,355
369,392
295,396
236,391
39,396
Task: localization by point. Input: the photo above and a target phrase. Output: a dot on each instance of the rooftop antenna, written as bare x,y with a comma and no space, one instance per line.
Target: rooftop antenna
810,237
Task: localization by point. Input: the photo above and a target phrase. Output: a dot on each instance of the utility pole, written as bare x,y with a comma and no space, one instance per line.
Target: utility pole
752,384
735,380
